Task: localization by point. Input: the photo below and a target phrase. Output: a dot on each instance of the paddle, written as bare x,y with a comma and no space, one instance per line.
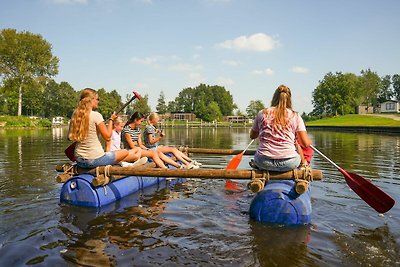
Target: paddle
232,165
70,150
370,193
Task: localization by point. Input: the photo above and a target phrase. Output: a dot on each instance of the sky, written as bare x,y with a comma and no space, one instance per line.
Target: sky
248,46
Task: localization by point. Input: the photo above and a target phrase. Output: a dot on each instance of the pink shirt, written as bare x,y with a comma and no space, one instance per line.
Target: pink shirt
274,143
115,141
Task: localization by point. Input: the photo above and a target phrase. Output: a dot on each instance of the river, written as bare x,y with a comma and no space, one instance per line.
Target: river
198,223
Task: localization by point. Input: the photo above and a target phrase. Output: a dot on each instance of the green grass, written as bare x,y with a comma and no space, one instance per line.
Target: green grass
357,120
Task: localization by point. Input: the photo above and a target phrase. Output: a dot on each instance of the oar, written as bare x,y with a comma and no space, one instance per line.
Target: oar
232,165
70,150
370,193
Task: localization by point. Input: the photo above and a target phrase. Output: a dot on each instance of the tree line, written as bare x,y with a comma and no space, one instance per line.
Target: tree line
27,87
341,93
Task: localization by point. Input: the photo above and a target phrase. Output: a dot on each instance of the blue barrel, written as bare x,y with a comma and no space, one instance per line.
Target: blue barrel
279,203
79,190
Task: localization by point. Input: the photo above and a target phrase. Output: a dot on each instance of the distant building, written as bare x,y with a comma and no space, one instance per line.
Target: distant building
58,120
237,119
183,116
362,109
390,106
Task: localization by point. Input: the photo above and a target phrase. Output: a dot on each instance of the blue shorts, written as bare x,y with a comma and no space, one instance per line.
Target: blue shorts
107,159
278,165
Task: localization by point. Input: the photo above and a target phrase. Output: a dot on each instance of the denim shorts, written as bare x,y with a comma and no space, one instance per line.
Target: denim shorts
107,159
279,165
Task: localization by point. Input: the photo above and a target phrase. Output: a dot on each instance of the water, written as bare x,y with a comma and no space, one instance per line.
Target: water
197,223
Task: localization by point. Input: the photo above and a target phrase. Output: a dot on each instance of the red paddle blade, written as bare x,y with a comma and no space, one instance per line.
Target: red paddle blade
235,161
232,185
371,194
70,151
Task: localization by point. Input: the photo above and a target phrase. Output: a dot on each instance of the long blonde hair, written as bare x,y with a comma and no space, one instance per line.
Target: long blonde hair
281,100
79,128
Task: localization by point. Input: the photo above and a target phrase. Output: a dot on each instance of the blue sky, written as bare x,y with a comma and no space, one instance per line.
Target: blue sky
250,47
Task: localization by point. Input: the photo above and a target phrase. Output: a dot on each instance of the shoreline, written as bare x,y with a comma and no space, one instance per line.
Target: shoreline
359,129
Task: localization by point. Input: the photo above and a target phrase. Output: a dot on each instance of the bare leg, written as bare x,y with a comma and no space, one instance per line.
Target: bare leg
175,151
134,155
168,160
154,155
120,155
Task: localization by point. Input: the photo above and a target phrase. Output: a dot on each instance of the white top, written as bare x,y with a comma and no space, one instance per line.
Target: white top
91,148
115,141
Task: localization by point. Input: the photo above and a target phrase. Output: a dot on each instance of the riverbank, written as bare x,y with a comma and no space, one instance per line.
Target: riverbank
24,122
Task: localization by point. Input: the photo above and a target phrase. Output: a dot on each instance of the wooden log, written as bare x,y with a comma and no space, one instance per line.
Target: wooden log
202,173
215,151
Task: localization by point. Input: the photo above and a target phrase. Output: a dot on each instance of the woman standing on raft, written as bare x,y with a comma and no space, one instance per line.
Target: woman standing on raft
85,125
277,127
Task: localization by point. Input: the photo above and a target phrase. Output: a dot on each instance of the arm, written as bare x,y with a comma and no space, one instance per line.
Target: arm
140,143
128,139
108,145
154,140
106,131
305,141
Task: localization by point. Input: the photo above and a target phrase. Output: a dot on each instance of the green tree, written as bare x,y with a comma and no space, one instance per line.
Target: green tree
396,86
141,106
213,112
59,99
171,107
385,91
24,59
109,102
335,94
161,104
369,87
254,107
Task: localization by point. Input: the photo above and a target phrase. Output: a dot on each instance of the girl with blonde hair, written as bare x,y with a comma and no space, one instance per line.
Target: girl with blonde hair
85,125
276,127
152,136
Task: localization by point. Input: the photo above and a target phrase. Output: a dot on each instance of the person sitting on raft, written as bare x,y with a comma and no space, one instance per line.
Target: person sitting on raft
85,124
131,138
152,136
276,128
115,144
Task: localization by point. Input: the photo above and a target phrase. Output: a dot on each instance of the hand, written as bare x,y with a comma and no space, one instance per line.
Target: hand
114,116
162,134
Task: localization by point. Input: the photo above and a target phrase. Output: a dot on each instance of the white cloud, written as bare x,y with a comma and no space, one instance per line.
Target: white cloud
232,63
267,71
225,81
196,56
258,42
84,2
198,47
185,67
196,78
151,61
299,70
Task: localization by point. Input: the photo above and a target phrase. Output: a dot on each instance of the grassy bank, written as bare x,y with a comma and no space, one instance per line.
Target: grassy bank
23,121
358,120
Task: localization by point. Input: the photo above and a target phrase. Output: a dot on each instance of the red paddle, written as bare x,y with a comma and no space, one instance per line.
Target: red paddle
232,165
371,194
70,150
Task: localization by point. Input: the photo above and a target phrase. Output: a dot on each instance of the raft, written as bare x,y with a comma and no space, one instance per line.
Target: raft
79,190
279,203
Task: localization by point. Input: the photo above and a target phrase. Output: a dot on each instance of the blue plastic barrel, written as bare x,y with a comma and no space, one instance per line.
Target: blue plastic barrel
80,192
279,203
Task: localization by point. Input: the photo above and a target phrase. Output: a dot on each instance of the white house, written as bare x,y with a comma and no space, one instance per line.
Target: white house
390,106
58,120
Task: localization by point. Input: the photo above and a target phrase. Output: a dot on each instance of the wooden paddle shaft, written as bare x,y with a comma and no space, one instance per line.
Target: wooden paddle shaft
216,151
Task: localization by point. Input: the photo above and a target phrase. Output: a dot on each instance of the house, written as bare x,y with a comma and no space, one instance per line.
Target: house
58,121
390,106
237,119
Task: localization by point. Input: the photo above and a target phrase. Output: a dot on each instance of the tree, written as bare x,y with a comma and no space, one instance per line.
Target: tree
213,112
171,107
396,86
109,102
161,105
335,94
25,58
59,99
369,87
254,107
385,91
142,105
